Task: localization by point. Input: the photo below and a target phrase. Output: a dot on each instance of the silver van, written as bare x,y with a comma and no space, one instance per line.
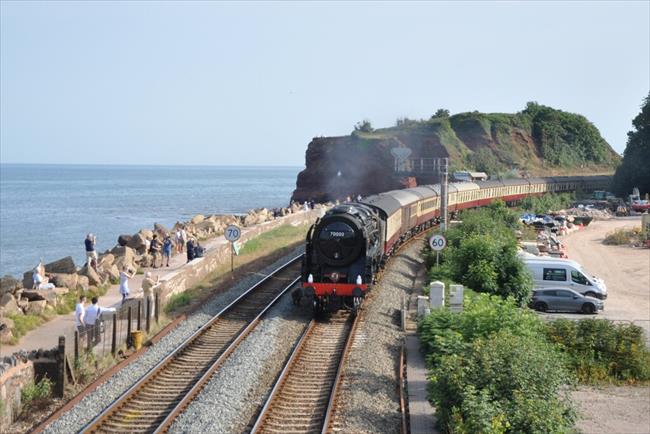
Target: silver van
564,273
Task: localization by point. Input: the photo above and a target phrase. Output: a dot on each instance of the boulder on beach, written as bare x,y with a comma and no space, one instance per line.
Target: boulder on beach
8,284
137,242
36,307
113,272
105,261
197,219
145,260
146,233
49,295
6,327
82,283
123,240
64,265
28,281
9,305
93,277
65,280
124,256
160,229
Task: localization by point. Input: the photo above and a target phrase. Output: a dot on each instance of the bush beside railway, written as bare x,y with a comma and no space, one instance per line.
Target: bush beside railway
497,367
482,254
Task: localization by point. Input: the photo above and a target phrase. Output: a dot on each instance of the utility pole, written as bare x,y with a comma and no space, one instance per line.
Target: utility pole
443,167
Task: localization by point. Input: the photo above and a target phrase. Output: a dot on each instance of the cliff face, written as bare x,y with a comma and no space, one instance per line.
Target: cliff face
539,141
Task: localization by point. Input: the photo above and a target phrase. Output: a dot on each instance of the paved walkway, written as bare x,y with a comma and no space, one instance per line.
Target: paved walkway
421,412
46,336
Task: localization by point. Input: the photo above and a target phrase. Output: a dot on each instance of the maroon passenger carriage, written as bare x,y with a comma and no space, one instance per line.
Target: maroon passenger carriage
348,245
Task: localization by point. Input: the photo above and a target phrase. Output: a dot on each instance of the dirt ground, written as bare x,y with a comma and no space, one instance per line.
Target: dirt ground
626,271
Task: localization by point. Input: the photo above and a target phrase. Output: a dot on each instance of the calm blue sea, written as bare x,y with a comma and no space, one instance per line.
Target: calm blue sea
46,210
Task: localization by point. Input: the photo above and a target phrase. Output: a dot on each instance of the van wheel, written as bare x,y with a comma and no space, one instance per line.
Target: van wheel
591,294
588,308
542,307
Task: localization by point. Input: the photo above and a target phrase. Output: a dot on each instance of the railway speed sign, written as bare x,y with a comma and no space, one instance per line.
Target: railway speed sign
232,233
437,242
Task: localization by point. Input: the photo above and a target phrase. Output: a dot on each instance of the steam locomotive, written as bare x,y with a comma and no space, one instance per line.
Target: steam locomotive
348,245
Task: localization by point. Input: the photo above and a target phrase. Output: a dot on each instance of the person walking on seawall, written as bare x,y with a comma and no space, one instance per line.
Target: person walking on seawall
167,250
148,285
124,282
80,314
180,241
91,253
156,245
93,317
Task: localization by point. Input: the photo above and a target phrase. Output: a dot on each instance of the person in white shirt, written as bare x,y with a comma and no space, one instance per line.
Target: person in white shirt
93,314
80,314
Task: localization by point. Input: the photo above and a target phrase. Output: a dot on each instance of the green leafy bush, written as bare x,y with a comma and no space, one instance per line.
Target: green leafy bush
177,301
36,396
502,383
482,253
599,350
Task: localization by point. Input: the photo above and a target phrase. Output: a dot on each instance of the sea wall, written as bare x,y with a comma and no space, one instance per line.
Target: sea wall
13,378
198,269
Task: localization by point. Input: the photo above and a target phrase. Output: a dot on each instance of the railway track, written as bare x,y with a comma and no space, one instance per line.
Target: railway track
304,397
160,396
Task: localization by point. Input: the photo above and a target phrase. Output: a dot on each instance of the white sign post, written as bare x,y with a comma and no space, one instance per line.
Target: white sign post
437,243
232,234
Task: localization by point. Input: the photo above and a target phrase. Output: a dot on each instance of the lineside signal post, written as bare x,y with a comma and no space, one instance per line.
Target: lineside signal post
232,234
437,243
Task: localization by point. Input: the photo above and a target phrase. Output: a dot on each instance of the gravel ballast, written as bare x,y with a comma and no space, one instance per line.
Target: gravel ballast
239,389
369,396
91,405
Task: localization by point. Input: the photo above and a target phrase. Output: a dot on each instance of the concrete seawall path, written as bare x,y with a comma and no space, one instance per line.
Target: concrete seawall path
46,336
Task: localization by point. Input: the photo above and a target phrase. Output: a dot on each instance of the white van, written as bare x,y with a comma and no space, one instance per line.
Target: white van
564,273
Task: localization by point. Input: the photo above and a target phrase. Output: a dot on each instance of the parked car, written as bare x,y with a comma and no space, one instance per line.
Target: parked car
563,273
564,300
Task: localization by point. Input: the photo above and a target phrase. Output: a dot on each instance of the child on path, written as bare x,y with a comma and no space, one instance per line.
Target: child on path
124,282
167,249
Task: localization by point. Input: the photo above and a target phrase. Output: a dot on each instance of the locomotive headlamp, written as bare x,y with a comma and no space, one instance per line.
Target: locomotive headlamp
310,278
359,281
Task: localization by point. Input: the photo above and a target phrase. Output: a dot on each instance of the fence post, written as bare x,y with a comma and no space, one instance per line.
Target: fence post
148,318
128,327
114,340
157,308
60,368
76,345
139,314
89,337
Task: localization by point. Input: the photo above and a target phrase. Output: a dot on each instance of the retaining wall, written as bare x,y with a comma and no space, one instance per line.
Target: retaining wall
12,381
198,269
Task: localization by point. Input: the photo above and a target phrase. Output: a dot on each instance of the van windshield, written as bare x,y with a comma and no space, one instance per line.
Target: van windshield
579,278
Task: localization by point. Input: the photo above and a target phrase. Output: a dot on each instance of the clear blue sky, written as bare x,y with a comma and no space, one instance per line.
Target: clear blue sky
252,83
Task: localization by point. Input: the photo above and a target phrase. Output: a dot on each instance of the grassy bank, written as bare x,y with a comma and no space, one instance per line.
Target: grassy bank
269,246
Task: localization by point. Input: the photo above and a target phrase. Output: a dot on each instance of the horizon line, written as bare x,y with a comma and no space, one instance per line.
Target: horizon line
2,163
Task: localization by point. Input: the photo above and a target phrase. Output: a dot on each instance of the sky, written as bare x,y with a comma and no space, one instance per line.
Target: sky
252,83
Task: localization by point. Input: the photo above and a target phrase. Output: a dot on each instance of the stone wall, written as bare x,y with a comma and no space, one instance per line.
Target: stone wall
197,270
12,380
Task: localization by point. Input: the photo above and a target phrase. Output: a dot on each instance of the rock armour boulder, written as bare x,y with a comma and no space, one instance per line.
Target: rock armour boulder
65,280
9,305
9,285
123,240
64,265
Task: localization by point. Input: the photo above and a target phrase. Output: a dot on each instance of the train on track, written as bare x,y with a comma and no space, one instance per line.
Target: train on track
350,244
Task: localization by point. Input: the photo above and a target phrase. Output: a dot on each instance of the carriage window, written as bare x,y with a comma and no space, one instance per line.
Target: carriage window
555,274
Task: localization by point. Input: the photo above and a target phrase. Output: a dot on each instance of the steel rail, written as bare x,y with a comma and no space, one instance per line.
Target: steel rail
299,357
96,423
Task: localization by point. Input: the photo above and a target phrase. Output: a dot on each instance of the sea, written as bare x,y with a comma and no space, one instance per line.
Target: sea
47,210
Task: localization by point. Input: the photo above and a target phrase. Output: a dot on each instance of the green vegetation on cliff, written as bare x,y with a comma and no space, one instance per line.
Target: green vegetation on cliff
634,170
535,139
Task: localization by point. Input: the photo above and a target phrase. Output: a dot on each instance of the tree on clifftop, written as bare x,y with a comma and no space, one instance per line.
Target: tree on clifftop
364,126
634,171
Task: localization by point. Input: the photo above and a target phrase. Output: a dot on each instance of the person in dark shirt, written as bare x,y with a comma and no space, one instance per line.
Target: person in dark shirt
190,249
156,245
91,253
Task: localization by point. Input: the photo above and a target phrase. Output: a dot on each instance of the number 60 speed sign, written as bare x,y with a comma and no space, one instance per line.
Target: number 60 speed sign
437,242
